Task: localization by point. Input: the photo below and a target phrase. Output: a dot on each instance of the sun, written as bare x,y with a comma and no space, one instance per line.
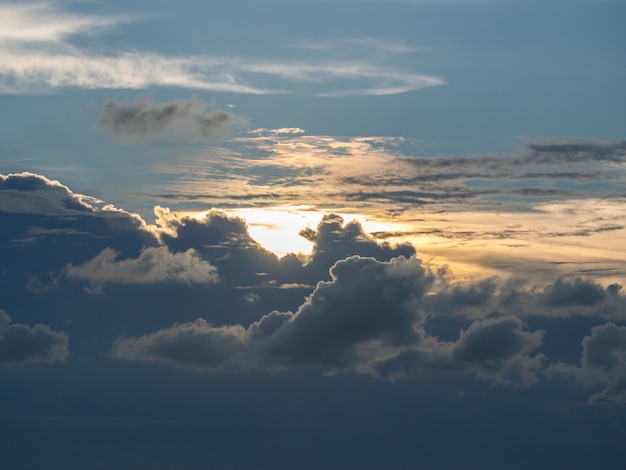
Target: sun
277,229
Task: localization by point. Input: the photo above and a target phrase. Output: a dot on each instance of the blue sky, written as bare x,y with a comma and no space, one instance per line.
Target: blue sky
340,234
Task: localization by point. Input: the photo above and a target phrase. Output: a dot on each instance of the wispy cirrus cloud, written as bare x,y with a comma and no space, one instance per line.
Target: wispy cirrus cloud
37,54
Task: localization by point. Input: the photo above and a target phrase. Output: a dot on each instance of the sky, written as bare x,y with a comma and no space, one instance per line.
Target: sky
312,234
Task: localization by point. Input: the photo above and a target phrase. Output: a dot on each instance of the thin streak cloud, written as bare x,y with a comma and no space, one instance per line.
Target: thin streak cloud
29,65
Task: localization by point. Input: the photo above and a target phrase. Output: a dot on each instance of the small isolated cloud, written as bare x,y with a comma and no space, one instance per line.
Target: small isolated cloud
20,344
250,298
143,120
154,264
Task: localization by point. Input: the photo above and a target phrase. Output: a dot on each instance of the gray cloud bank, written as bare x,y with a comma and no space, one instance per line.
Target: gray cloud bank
366,320
355,305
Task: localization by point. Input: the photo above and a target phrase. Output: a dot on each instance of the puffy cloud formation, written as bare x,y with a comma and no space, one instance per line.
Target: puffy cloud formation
498,349
142,120
565,297
21,344
154,264
195,345
29,193
369,307
604,362
365,320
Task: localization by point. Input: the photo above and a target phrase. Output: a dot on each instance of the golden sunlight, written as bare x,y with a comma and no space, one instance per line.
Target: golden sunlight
277,229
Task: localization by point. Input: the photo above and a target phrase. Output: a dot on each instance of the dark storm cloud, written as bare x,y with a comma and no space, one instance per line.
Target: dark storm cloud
366,320
21,344
142,120
366,300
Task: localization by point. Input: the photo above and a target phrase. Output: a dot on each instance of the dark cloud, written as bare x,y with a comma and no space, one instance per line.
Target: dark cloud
142,120
44,226
335,240
354,305
366,300
195,345
21,344
28,193
577,151
577,291
367,320
603,363
498,349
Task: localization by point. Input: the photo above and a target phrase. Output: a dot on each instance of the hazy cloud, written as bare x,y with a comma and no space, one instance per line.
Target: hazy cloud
21,344
28,63
142,120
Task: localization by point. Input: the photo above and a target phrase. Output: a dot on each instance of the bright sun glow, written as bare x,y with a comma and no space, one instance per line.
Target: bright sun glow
277,229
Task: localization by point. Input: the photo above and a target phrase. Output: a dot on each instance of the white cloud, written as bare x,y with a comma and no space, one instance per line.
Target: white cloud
154,264
28,63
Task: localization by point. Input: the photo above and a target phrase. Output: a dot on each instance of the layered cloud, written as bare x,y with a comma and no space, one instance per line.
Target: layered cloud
140,121
38,53
552,208
21,344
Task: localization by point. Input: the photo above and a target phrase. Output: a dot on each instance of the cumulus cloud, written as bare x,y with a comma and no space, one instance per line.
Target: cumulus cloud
603,362
367,319
196,345
154,264
366,301
29,193
565,297
499,349
142,120
21,344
